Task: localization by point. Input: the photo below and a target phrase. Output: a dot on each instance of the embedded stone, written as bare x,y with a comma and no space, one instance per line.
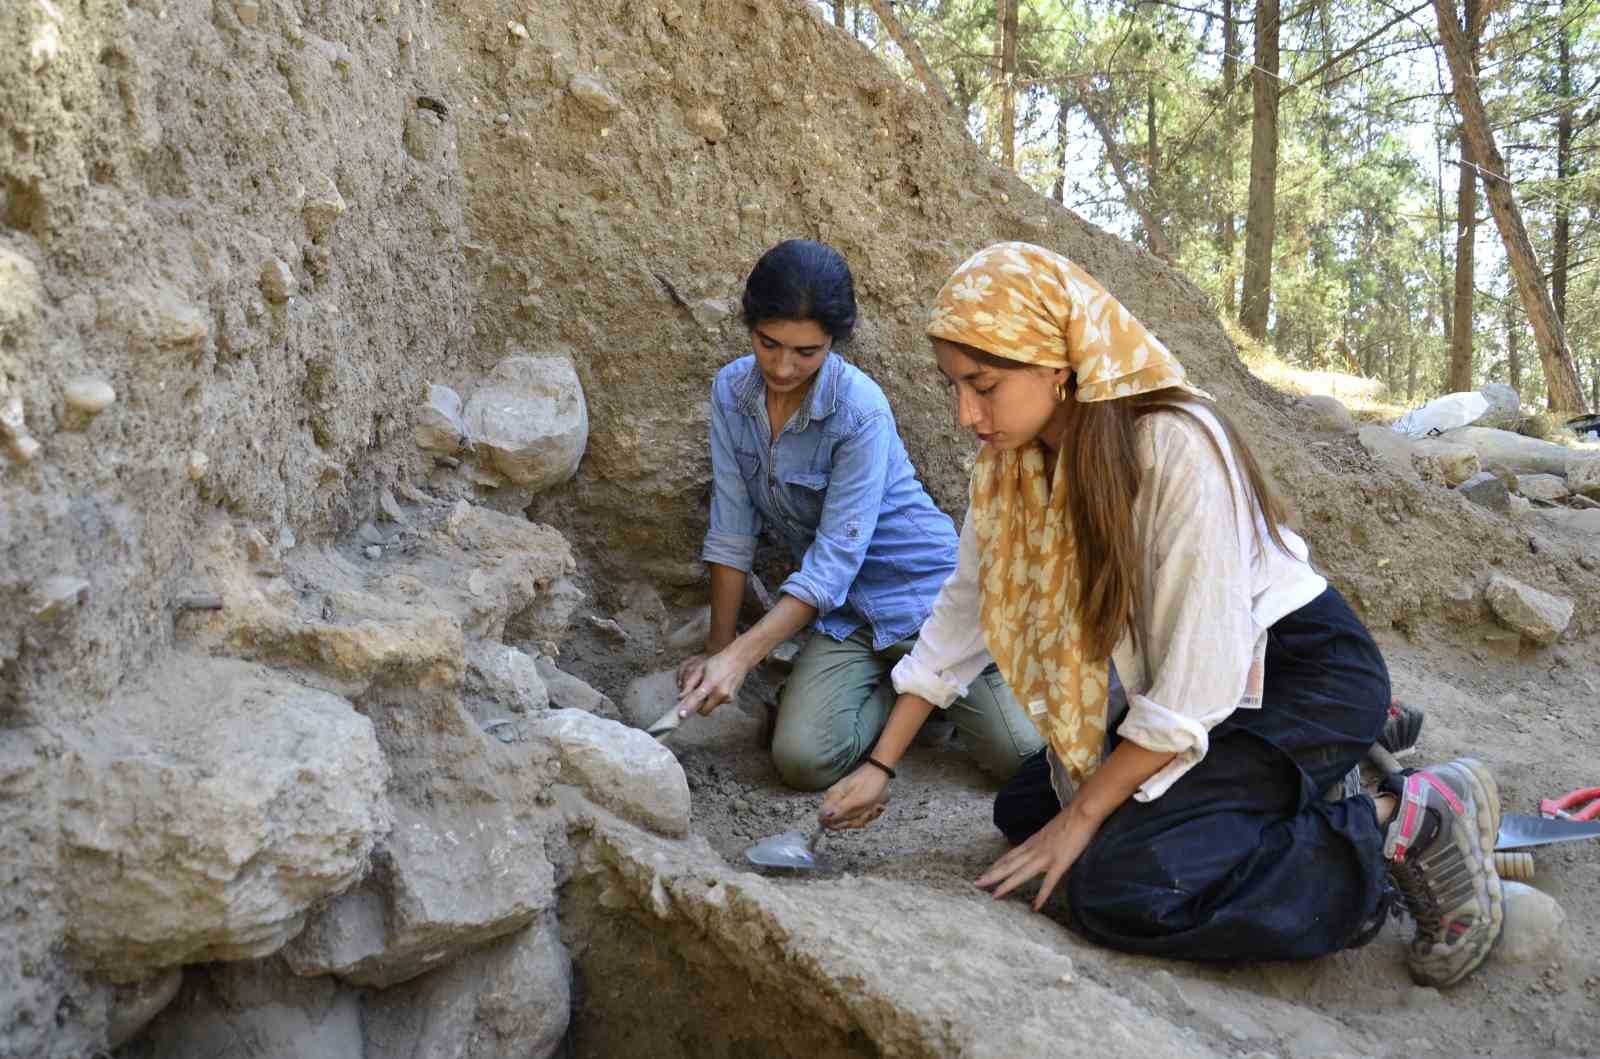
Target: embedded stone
1583,476
277,281
1440,461
593,94
89,395
1537,615
1546,487
621,768
530,418
439,429
322,209
1485,490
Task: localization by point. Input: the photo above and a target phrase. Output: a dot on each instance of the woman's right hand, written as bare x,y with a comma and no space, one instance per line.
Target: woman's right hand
690,671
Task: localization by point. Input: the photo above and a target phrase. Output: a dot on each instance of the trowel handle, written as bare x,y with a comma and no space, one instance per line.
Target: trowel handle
816,837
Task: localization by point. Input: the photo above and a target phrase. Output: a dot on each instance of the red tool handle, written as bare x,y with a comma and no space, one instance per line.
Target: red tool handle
1588,797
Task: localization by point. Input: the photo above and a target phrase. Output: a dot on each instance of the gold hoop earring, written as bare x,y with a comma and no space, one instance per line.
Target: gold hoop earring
1061,392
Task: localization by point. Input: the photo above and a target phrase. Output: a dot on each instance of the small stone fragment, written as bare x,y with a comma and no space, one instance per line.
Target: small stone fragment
1485,490
607,626
89,395
248,12
14,431
372,551
322,209
390,507
593,94
256,545
1534,926
25,448
1546,487
54,596
199,464
439,428
277,281
708,123
1539,616
518,31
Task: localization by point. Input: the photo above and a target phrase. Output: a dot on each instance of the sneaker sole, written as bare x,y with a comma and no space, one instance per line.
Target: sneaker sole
1486,817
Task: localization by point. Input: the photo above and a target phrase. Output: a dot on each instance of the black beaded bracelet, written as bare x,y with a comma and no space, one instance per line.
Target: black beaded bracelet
880,766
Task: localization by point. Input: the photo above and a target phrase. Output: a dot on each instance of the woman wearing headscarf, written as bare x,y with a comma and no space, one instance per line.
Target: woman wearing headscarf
1120,528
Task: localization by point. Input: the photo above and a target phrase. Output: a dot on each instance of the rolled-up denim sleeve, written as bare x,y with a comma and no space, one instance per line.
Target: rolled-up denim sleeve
856,483
731,537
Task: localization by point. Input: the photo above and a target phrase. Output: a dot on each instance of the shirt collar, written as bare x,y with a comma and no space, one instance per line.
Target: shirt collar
824,398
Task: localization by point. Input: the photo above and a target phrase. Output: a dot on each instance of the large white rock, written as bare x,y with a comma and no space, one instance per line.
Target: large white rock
1505,406
204,814
1538,615
439,429
530,417
1389,448
511,999
1522,454
621,768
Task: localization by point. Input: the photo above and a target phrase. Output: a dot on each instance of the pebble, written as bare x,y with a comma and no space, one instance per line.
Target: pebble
54,596
373,551
517,30
89,395
1534,925
277,281
199,464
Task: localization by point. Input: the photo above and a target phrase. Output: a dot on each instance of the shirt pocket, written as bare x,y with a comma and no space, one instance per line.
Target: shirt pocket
749,464
806,493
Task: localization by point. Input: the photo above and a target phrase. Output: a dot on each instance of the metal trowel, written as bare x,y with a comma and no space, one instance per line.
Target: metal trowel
1520,832
792,850
666,724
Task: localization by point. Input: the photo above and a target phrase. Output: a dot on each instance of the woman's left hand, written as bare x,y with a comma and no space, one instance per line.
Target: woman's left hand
1050,852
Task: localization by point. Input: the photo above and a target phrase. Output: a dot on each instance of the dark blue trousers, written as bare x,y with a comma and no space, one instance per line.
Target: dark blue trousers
1241,859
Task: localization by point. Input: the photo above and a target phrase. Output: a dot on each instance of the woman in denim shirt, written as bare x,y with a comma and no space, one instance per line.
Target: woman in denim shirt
804,444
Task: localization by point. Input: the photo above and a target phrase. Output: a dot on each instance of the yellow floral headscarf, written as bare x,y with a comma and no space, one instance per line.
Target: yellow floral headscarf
1028,304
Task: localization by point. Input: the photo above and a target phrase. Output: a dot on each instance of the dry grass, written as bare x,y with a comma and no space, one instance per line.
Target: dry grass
1367,399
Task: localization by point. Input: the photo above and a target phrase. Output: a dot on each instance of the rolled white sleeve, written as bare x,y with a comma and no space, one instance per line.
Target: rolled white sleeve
1199,637
950,651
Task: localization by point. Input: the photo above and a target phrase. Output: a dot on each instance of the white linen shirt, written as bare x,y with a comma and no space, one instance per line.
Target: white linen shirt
1208,595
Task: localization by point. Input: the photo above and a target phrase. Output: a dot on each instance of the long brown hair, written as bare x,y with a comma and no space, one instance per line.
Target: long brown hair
1101,447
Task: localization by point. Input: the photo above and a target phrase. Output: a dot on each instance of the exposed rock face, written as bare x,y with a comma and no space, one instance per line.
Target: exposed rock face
509,1000
1522,454
206,820
1583,476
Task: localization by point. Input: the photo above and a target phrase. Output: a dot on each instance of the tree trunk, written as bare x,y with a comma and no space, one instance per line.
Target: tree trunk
1152,150
1513,354
1561,378
1260,217
1230,80
1459,376
838,13
1445,319
1155,238
913,52
1063,136
1008,82
1561,237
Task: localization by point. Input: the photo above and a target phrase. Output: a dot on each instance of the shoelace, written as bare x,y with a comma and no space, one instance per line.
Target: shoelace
1420,900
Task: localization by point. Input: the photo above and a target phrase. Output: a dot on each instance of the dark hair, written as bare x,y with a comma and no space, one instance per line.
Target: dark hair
802,280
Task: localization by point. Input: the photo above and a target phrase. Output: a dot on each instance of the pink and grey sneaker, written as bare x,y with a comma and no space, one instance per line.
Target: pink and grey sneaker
1440,848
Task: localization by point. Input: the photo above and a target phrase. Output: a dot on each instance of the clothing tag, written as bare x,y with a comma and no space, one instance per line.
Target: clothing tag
1037,708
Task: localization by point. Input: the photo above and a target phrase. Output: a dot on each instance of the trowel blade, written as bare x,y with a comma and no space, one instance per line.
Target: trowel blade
1518,832
792,849
666,724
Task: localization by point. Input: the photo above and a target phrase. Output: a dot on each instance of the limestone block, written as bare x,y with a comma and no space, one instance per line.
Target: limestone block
1440,461
1546,487
549,617
322,209
1583,476
208,811
621,768
464,864
1534,926
1539,616
1521,454
439,429
1485,490
706,122
530,418
278,281
509,1000
505,676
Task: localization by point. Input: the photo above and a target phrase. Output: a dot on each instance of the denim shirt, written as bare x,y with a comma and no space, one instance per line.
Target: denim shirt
839,489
